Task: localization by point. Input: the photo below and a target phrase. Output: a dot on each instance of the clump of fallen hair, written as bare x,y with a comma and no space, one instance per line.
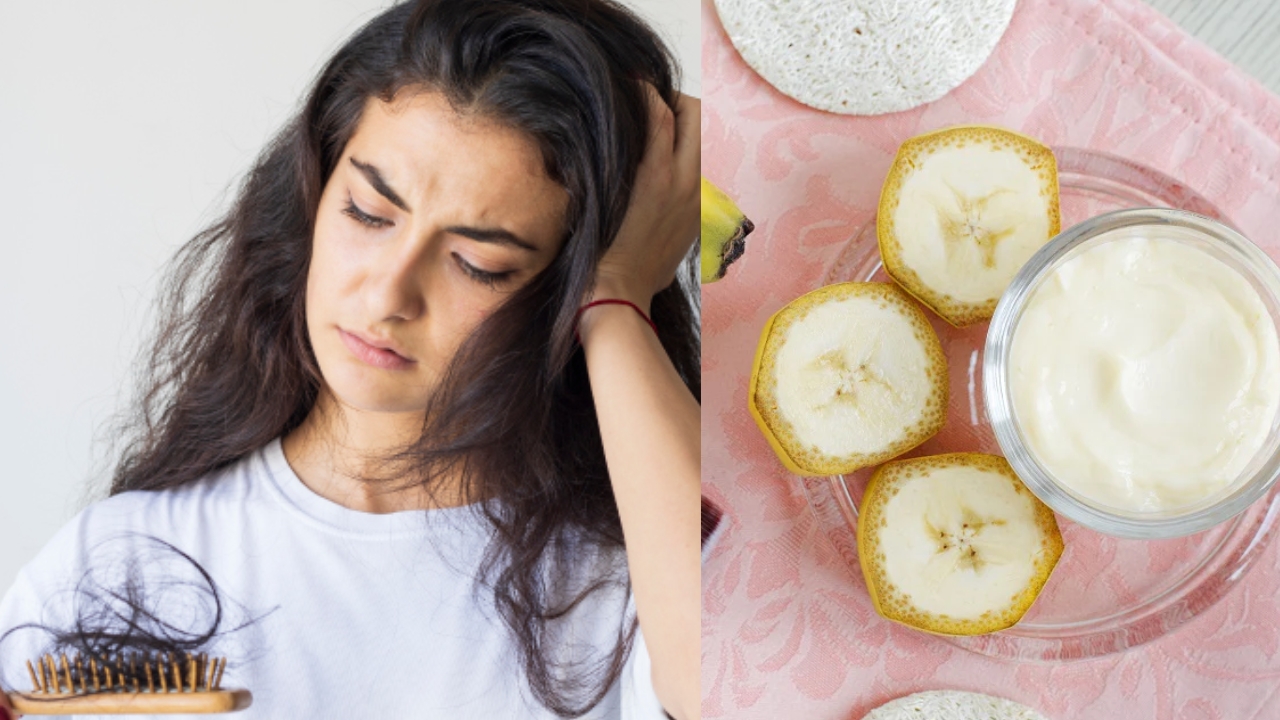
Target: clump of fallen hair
131,614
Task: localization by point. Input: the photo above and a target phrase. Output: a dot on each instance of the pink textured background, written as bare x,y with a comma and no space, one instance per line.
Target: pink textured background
788,631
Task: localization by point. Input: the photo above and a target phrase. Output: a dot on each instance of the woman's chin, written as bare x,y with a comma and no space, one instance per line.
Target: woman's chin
384,404
369,391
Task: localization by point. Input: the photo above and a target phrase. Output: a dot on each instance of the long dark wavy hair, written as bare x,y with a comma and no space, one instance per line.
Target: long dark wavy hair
230,367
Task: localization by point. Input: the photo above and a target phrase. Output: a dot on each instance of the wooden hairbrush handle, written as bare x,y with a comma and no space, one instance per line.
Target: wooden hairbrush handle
132,703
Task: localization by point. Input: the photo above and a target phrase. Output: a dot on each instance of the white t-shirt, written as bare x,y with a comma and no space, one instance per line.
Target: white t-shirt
360,615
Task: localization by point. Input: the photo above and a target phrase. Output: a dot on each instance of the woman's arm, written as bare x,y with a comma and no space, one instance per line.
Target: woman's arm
649,421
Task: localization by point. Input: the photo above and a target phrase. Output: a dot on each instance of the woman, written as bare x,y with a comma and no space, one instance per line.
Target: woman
387,416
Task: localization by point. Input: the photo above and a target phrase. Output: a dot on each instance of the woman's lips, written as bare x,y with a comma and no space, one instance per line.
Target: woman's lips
378,357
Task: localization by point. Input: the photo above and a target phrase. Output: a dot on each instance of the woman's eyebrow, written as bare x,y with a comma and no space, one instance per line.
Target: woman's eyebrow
492,235
485,235
379,183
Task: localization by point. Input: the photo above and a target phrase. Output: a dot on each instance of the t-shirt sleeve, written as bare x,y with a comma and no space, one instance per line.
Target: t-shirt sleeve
21,606
44,592
639,701
712,526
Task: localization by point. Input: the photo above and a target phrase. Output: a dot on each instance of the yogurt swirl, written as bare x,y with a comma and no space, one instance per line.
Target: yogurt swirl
1145,374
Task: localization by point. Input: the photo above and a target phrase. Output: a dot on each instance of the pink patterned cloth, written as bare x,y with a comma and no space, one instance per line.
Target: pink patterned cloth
788,630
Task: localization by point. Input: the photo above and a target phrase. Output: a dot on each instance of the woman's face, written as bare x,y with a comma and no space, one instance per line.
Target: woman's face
429,221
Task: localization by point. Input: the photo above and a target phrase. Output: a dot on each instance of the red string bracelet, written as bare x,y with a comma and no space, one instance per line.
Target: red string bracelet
610,301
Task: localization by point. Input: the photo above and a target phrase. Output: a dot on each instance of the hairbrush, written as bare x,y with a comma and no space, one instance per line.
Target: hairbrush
135,683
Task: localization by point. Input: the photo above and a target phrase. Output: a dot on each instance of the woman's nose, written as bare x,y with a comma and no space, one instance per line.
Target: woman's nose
396,285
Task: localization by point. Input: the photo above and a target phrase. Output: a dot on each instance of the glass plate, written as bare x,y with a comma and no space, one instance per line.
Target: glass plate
1106,594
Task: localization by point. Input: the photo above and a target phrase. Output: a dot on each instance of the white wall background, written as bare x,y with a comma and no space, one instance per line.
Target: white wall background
123,127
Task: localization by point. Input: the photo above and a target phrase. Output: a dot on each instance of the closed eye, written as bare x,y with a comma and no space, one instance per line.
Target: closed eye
362,217
485,277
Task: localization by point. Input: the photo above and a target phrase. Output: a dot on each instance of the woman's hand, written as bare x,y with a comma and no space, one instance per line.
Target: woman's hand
662,218
6,710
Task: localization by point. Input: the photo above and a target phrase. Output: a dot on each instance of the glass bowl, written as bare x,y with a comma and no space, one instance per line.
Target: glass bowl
1191,230
1107,593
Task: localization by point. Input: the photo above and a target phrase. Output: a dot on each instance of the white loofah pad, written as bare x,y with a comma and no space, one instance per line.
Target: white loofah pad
952,705
865,57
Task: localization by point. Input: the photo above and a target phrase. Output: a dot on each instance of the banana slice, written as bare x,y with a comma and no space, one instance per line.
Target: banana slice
954,544
961,211
724,232
847,376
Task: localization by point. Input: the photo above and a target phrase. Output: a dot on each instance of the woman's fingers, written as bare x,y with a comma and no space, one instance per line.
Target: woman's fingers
661,222
6,710
688,119
661,122
655,165
686,172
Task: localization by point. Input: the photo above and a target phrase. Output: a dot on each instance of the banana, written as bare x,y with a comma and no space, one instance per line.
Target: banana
954,544
847,376
724,232
961,211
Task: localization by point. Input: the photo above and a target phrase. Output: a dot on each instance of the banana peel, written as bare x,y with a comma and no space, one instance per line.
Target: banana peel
724,232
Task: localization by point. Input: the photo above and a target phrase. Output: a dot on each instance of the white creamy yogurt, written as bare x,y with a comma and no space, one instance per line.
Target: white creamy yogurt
1145,374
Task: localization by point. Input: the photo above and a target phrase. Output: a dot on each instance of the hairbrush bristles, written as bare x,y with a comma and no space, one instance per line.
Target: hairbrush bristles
129,683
